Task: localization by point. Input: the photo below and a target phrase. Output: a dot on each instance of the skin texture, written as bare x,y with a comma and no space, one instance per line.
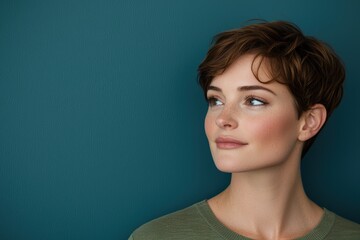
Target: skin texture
265,198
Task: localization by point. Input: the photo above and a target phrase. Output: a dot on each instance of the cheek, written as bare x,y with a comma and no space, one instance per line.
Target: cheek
275,129
208,125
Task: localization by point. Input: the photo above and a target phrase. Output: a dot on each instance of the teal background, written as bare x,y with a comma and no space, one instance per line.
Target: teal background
101,117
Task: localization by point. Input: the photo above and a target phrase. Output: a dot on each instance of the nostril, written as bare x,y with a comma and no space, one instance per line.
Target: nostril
225,123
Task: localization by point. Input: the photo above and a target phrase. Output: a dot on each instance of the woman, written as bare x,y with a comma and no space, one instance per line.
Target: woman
270,91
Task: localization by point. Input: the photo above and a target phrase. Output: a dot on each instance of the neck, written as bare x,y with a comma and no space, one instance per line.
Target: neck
268,203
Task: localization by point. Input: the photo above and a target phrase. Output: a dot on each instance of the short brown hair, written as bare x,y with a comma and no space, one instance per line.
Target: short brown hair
308,67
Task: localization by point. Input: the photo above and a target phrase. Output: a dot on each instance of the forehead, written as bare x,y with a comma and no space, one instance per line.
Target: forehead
242,73
245,70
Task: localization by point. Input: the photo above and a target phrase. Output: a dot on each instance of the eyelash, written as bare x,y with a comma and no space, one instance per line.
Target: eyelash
248,101
212,101
251,98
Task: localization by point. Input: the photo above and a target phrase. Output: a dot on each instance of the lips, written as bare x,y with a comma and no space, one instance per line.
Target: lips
228,143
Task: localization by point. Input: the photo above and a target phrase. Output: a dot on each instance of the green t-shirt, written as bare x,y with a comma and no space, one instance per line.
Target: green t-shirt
199,222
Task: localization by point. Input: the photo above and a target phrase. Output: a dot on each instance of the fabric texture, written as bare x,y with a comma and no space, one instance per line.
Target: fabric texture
198,222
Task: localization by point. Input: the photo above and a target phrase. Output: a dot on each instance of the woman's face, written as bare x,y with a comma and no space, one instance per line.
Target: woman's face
250,125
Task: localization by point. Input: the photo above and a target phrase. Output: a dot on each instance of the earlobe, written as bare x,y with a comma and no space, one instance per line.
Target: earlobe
312,122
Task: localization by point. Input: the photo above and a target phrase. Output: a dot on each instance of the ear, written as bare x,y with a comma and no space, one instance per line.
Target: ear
312,121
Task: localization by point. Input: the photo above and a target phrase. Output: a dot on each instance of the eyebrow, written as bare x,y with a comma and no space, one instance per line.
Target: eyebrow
244,88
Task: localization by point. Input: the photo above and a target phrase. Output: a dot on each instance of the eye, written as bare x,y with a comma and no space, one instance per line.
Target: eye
255,101
213,101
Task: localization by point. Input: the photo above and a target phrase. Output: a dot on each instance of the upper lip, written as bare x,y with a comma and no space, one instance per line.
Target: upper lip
228,140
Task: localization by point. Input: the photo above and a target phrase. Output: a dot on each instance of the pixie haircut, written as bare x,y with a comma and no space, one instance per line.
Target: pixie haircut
309,68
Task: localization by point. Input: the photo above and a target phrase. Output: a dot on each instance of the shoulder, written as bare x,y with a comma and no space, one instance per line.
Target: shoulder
182,224
344,229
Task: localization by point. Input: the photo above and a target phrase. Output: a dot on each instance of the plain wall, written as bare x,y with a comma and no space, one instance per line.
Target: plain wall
101,116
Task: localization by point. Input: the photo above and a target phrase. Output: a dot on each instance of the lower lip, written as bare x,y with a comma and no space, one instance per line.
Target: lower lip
229,145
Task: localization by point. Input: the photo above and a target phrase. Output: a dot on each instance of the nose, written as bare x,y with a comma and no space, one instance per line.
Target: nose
226,119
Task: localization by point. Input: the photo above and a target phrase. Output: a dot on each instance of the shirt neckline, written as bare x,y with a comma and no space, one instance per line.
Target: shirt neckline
318,233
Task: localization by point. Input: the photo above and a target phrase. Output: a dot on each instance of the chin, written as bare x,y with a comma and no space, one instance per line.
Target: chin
232,166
